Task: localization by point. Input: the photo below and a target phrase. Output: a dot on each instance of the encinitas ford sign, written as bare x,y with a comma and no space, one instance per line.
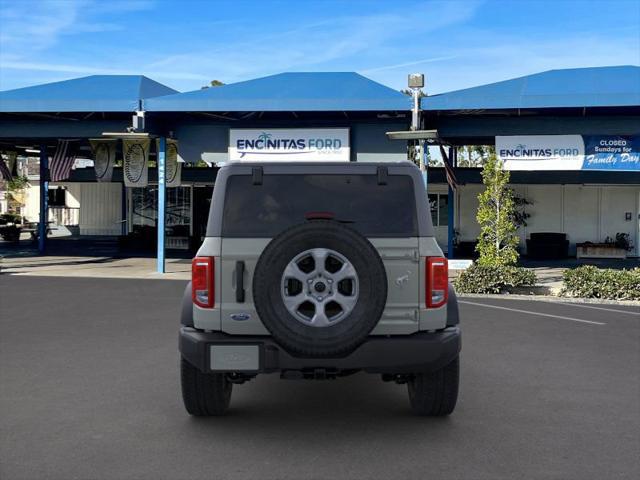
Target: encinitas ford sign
541,152
289,144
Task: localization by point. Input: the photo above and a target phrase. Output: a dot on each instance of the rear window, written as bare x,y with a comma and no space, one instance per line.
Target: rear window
282,201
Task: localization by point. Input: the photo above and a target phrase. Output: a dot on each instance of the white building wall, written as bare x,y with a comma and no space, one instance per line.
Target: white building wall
100,208
73,195
466,208
32,202
583,212
615,203
581,215
546,210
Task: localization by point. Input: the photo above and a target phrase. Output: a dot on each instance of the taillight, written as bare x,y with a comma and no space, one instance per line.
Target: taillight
202,285
437,281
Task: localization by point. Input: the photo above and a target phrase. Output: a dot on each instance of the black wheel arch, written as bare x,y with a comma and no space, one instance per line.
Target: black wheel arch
186,312
453,313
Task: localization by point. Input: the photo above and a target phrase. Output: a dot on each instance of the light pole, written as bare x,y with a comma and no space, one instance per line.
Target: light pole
416,83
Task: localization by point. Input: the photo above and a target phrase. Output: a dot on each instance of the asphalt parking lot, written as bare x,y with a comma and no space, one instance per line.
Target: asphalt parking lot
89,389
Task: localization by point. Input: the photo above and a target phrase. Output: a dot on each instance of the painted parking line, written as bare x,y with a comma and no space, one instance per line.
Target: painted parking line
529,312
582,305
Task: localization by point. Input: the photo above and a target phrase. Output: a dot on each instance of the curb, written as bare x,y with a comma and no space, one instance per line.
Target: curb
552,299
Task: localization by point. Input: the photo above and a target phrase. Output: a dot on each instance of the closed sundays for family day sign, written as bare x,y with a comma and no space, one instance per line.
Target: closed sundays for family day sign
569,152
289,144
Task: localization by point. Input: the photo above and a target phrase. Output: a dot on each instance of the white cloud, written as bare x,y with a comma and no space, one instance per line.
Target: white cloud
31,27
408,64
499,58
89,70
313,46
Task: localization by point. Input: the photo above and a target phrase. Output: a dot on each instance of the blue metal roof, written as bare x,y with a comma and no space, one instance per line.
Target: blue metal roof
96,93
306,91
577,87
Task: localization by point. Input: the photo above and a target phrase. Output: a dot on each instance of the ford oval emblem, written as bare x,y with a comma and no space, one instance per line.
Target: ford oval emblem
240,317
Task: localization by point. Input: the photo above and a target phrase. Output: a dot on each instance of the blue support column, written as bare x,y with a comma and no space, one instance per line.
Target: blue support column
44,200
162,149
453,154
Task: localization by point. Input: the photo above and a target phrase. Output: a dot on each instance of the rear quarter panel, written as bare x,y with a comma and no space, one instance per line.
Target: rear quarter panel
405,311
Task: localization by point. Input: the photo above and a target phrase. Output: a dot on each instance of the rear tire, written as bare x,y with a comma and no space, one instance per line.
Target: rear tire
435,394
204,394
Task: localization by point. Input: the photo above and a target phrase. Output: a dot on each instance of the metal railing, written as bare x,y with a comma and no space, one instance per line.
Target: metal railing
64,215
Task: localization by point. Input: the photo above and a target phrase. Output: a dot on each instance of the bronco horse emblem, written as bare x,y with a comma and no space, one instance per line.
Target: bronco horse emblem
400,281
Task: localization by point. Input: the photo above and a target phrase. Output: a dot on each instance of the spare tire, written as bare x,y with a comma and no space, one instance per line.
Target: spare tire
320,288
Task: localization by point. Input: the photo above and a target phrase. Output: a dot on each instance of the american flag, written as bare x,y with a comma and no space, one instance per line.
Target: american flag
5,173
448,169
62,161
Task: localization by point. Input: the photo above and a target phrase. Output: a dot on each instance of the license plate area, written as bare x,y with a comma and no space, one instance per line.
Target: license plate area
234,358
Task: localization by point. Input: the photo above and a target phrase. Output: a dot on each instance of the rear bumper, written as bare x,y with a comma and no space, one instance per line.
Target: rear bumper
419,352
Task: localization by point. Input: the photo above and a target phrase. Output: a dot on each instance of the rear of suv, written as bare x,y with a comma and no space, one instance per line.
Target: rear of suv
318,271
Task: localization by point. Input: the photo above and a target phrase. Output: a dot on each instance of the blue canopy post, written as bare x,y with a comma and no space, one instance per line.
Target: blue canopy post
162,149
44,199
453,158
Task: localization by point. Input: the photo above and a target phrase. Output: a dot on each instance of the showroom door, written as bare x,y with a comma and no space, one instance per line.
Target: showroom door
439,205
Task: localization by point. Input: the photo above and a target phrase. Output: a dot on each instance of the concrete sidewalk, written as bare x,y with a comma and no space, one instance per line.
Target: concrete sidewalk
96,267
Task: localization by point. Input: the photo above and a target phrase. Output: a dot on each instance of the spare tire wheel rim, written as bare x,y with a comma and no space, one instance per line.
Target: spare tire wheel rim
319,287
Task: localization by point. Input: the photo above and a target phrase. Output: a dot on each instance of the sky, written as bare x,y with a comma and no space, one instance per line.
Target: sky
185,44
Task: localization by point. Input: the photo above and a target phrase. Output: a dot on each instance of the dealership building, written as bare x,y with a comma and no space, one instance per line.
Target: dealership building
570,137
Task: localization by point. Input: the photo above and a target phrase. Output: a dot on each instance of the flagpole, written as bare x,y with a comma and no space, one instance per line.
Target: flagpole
44,199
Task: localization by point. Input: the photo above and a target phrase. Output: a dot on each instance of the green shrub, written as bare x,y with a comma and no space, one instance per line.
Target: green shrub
493,279
592,282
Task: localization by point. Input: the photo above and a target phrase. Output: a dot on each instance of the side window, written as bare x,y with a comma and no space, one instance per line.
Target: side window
57,197
439,206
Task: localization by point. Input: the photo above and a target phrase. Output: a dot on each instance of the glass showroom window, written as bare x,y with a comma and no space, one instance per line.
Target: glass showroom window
144,214
439,205
178,217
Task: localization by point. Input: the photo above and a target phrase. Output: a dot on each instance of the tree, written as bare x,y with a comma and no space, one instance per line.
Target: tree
15,194
409,92
213,83
474,155
496,211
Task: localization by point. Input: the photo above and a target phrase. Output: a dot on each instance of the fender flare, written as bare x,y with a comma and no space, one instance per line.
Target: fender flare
186,312
453,314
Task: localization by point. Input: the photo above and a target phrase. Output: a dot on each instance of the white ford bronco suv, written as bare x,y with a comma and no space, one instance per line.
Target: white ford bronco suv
315,271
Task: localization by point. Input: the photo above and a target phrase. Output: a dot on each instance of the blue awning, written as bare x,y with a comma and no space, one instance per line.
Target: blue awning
96,93
577,87
288,92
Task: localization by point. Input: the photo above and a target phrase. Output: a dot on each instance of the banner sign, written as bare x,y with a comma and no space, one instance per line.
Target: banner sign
569,152
541,152
104,157
290,144
610,152
173,167
136,162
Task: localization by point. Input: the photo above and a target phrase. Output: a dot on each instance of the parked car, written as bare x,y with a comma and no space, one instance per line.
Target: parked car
10,227
318,271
